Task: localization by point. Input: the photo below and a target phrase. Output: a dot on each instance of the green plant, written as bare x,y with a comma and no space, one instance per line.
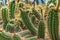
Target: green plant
4,37
5,17
31,38
16,37
10,27
41,30
12,9
53,24
33,19
36,13
27,22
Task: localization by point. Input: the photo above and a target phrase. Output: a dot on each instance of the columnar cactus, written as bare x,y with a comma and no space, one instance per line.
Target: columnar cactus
27,22
5,17
4,37
12,9
41,28
53,24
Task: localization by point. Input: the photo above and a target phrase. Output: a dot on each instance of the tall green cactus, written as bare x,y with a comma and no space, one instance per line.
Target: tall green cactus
53,24
41,29
27,22
12,9
5,17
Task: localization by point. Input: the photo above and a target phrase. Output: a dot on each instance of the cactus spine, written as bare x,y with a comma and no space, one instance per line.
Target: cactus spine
5,17
53,24
41,29
12,9
27,22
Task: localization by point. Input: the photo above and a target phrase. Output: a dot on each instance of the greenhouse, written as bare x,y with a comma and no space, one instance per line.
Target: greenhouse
29,19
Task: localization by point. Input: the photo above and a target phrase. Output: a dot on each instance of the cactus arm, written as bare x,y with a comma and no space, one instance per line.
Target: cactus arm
41,29
37,15
12,9
53,24
5,17
27,22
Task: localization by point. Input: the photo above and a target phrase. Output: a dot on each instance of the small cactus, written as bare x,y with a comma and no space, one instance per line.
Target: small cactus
5,17
41,30
12,9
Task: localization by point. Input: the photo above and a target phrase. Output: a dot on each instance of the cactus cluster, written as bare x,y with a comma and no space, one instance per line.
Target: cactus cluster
12,9
18,26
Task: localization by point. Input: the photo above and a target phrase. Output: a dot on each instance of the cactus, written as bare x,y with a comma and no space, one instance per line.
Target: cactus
11,21
37,1
33,19
27,22
36,14
5,17
21,5
16,37
53,24
31,38
4,37
41,29
18,28
12,9
10,27
24,33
